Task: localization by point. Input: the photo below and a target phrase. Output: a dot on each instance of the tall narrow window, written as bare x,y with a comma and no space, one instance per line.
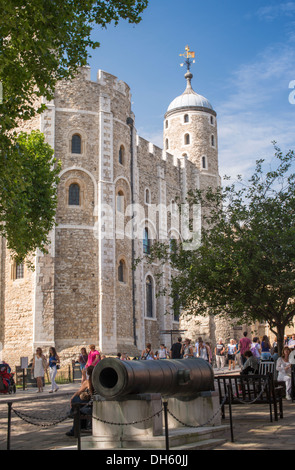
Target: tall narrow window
121,271
120,201
74,195
147,198
187,139
121,155
167,144
76,143
204,162
19,271
186,118
149,297
146,241
212,140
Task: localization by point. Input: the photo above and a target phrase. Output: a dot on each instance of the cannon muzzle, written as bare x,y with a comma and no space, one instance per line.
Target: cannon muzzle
113,378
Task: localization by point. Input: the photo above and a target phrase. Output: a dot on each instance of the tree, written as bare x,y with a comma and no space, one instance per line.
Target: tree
244,267
41,42
28,194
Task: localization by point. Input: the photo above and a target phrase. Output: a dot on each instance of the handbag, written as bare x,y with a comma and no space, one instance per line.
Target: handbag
85,395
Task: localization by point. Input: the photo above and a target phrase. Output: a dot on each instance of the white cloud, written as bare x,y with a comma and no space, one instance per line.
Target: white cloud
271,12
257,111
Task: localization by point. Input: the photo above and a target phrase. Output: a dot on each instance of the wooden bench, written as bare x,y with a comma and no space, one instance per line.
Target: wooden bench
250,389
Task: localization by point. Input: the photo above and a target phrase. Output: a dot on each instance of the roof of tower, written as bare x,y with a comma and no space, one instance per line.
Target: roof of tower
189,98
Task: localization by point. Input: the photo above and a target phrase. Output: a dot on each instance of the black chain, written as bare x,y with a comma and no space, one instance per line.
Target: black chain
27,419
199,425
131,422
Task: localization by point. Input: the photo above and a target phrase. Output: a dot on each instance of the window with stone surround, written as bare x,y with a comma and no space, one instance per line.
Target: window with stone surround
74,194
122,155
76,146
146,241
186,139
149,297
186,118
122,271
17,271
167,144
212,140
147,196
204,162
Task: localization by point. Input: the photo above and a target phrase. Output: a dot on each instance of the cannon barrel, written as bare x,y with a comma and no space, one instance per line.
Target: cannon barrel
113,378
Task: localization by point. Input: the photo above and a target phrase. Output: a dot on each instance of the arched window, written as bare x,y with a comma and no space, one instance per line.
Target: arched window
146,241
186,139
121,271
121,154
149,297
76,143
186,118
166,123
74,195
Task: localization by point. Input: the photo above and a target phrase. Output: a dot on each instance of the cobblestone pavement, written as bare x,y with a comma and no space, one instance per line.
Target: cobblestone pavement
252,427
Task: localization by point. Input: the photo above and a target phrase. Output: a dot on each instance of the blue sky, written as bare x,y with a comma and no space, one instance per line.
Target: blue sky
245,61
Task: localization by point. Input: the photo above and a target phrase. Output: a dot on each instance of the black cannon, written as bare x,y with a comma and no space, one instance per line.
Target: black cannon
113,378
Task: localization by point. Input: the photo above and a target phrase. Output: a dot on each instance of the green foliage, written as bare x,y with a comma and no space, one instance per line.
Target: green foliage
28,194
244,267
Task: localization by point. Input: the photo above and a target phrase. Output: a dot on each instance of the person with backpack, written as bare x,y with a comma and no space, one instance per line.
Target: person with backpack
175,351
256,348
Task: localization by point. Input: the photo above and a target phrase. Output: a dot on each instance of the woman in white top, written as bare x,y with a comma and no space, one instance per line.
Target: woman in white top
284,369
162,353
39,366
231,354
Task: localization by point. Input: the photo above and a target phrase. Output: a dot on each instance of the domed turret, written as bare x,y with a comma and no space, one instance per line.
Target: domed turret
190,127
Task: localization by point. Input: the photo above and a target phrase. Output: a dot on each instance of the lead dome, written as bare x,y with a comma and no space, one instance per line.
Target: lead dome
189,98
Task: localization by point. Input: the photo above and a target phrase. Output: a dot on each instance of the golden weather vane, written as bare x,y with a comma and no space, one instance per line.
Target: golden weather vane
188,55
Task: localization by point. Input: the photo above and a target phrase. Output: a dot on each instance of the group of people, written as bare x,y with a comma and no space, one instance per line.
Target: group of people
181,349
252,352
235,351
41,364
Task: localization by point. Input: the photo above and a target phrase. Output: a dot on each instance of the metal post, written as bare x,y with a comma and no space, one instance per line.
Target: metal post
77,427
165,403
230,412
9,403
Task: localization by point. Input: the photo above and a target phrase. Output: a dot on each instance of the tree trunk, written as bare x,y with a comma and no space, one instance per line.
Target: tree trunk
280,337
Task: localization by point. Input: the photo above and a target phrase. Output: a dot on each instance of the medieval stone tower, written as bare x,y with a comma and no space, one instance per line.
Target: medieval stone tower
116,195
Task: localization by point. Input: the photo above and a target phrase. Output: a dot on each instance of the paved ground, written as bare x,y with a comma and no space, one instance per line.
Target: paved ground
252,427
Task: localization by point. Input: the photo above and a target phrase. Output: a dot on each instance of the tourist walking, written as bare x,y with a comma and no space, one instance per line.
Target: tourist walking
265,349
244,345
203,351
93,357
38,368
175,351
83,358
162,353
53,365
231,354
147,354
187,350
220,354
